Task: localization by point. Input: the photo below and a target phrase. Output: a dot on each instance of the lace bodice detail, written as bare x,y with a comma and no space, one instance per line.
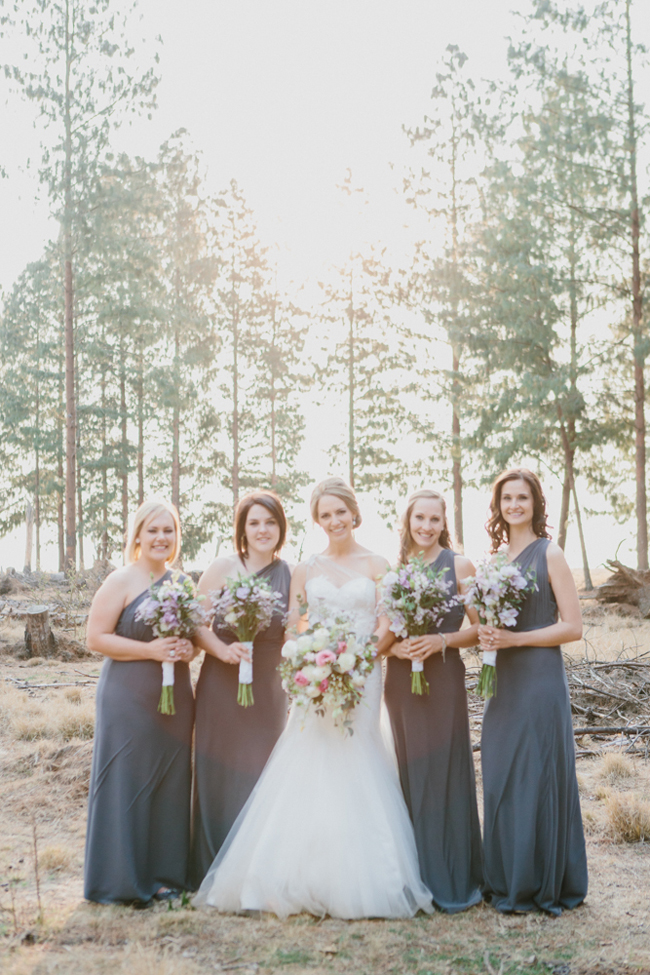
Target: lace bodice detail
332,591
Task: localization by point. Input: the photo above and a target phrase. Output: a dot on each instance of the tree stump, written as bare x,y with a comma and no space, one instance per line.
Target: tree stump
39,639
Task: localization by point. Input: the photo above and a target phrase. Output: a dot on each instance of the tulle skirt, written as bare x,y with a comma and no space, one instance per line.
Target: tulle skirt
326,829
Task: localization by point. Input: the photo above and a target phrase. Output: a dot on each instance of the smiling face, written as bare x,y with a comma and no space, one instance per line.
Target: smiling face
517,503
157,537
335,518
262,530
426,523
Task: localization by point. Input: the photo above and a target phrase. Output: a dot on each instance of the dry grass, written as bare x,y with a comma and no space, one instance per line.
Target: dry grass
628,818
51,715
54,859
616,769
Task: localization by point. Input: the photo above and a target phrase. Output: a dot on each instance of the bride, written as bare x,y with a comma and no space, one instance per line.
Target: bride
326,829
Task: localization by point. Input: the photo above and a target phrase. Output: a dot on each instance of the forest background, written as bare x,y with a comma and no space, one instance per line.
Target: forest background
400,242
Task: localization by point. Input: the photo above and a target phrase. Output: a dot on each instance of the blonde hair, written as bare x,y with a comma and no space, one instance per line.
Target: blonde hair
336,487
406,539
146,511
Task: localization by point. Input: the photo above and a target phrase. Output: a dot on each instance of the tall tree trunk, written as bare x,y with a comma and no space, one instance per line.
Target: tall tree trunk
585,561
351,378
70,408
637,315
125,449
29,536
80,519
274,457
104,541
235,383
140,396
569,451
37,509
59,469
564,509
456,456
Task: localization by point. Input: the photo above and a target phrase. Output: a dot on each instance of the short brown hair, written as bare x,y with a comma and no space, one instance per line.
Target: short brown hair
337,487
146,511
406,539
496,527
272,503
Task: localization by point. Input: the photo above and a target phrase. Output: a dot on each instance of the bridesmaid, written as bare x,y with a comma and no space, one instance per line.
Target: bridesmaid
431,732
139,801
534,845
233,743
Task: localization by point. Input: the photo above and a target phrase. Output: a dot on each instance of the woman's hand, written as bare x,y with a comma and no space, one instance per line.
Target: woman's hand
185,650
165,649
493,638
232,653
400,648
421,647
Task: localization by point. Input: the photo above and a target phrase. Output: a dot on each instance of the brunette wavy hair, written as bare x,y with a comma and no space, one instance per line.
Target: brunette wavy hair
272,503
407,545
496,526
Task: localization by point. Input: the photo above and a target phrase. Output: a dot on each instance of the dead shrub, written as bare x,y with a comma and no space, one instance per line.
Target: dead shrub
616,768
144,961
590,823
73,694
628,819
51,717
54,859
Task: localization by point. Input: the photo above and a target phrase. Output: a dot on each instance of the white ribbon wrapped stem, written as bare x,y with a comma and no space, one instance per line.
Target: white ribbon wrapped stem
417,666
490,658
168,673
246,666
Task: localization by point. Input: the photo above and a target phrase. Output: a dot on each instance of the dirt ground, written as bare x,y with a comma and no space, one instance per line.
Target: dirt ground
45,749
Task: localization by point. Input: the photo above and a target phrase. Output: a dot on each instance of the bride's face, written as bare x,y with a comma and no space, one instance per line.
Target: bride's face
335,518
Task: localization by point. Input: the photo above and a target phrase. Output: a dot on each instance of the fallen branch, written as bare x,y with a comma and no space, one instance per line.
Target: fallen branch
622,730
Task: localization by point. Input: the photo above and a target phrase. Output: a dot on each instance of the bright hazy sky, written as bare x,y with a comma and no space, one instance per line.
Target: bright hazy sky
285,96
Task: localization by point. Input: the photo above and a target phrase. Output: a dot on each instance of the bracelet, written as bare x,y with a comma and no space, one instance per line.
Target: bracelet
444,645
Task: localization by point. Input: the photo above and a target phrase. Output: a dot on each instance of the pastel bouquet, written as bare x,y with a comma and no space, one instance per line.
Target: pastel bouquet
415,598
172,608
246,605
327,667
496,592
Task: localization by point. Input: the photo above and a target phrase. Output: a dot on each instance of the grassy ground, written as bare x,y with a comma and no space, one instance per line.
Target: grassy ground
45,746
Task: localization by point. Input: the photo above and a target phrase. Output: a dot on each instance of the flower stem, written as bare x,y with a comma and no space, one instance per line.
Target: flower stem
245,695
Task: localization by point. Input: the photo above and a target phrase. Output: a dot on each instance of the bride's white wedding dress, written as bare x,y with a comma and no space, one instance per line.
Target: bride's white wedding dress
326,829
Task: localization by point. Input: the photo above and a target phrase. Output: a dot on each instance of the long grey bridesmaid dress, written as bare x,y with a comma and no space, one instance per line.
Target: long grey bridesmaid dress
138,831
436,767
533,839
233,743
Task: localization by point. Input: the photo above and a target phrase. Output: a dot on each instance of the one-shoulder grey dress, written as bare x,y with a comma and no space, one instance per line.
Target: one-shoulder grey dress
436,767
233,743
533,840
138,832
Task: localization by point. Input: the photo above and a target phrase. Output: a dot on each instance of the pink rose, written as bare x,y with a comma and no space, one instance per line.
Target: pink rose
342,647
300,679
324,657
324,684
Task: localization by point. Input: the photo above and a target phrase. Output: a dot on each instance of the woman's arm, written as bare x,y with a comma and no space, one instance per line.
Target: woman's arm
297,619
566,630
211,581
108,602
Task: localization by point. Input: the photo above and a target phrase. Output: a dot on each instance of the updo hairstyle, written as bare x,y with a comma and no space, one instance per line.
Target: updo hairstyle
272,503
407,545
146,511
336,487
496,527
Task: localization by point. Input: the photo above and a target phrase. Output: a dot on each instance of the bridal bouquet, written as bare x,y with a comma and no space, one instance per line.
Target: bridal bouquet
327,666
172,609
496,592
246,605
415,598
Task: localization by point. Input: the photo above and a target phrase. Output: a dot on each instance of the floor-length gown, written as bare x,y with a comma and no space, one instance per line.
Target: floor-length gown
534,844
436,766
326,829
233,743
138,829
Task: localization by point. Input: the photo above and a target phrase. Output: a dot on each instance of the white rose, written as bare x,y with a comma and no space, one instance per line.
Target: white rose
359,680
289,649
313,692
345,662
319,673
230,618
320,639
304,642
309,672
